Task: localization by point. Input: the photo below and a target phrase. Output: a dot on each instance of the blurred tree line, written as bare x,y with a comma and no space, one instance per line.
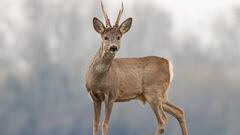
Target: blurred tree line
42,71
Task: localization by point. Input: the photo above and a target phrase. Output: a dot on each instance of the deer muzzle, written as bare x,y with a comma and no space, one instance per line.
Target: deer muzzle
113,48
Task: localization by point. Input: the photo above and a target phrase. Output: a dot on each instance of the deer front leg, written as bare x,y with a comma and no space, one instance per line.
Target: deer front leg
108,110
97,111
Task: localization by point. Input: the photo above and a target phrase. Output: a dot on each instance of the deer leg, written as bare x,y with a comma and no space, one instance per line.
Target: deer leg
165,119
158,110
108,110
97,111
178,113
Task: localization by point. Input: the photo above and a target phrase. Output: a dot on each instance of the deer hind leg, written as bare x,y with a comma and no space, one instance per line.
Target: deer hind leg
178,113
158,110
165,119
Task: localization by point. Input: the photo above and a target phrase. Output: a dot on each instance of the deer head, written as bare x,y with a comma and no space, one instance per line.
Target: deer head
111,35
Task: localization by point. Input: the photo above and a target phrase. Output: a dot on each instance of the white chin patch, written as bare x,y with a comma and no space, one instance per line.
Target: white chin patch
112,52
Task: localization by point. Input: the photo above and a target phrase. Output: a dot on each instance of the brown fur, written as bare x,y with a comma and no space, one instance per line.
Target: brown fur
145,78
111,80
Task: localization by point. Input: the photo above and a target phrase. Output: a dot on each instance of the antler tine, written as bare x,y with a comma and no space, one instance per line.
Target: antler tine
108,24
119,15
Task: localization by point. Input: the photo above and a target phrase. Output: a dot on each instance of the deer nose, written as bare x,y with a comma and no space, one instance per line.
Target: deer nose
113,48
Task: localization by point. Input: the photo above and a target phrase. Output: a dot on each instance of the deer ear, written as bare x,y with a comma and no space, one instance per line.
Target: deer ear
98,25
126,25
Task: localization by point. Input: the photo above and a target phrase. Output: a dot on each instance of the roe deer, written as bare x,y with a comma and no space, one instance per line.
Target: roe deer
110,79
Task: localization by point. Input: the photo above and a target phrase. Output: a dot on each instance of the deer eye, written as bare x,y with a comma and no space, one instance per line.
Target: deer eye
106,38
118,38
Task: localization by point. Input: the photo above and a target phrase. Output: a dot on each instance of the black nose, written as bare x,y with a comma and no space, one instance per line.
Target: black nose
113,48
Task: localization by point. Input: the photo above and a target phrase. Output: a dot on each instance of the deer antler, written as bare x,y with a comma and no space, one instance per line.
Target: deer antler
119,15
108,24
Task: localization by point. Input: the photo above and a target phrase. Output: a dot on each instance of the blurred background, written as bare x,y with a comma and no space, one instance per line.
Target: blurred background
46,45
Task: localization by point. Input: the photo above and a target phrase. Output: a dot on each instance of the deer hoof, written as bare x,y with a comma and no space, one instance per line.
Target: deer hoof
161,131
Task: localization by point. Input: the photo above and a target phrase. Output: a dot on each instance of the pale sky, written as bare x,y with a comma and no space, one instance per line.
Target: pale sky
198,15
190,16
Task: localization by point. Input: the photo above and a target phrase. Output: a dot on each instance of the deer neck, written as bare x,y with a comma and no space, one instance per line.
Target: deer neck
101,62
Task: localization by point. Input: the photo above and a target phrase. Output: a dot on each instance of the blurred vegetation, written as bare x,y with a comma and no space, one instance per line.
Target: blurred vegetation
43,60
